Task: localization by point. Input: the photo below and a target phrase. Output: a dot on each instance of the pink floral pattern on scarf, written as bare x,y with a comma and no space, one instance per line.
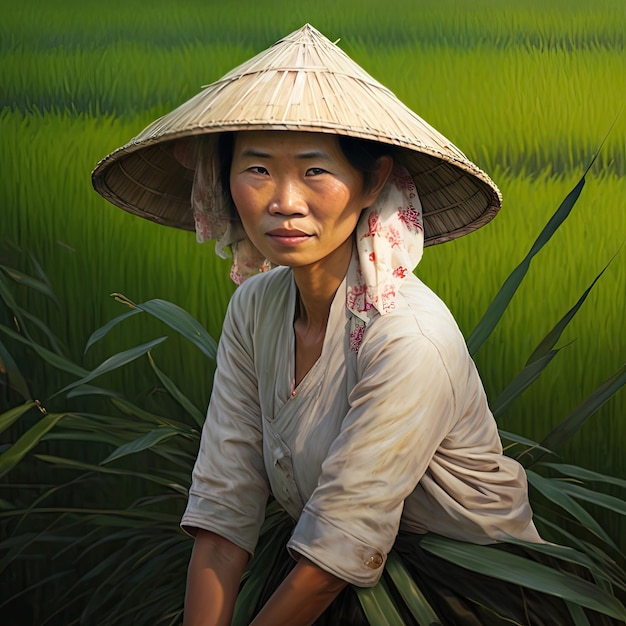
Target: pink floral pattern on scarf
390,242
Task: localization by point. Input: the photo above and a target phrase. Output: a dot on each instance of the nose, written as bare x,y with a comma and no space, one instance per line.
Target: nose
288,199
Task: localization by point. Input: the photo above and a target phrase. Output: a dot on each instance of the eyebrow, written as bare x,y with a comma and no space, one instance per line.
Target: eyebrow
311,154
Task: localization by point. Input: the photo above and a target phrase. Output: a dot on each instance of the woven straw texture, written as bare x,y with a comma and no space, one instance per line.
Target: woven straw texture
304,82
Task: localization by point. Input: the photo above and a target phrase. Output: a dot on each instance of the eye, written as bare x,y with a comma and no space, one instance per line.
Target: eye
315,171
258,169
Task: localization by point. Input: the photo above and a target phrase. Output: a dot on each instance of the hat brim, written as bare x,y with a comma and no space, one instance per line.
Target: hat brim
302,83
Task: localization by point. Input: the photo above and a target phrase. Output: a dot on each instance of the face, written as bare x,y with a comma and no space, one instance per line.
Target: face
298,197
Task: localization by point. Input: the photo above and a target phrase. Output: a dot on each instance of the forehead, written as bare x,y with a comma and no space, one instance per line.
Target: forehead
277,141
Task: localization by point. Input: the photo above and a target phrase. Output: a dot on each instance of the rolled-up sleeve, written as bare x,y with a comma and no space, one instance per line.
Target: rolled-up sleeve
229,487
401,408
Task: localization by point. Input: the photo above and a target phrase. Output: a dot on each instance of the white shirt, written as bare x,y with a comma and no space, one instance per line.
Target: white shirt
396,435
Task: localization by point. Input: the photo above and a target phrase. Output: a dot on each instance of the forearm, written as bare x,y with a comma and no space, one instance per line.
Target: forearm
213,579
301,598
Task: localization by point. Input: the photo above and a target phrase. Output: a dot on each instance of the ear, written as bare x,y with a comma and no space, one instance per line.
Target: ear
384,165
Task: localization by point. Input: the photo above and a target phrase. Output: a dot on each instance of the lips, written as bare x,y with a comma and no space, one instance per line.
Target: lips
287,232
287,236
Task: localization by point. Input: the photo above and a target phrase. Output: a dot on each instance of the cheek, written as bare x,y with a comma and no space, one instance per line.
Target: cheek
246,200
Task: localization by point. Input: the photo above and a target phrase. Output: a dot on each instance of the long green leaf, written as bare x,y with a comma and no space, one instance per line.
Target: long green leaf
520,383
378,605
515,438
12,415
572,424
549,341
578,614
504,296
569,554
28,441
145,442
7,296
91,390
43,277
176,318
182,322
521,571
554,491
104,330
57,345
128,408
177,394
114,362
606,569
60,462
410,592
595,497
9,367
54,359
28,281
582,473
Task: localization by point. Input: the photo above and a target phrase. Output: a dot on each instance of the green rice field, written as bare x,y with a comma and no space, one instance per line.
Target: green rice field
528,89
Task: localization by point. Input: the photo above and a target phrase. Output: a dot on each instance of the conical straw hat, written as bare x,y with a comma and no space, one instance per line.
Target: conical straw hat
304,82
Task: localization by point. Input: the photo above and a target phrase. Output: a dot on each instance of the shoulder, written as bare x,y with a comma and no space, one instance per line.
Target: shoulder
259,289
419,313
421,326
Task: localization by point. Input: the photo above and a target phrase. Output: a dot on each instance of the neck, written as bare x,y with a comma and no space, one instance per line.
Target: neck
317,285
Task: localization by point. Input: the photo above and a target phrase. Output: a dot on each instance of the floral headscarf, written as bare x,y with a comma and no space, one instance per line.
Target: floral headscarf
390,243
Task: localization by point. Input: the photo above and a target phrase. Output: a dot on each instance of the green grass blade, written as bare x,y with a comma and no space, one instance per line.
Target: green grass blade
410,592
500,303
55,342
72,464
582,473
104,330
571,555
182,322
28,281
520,383
12,415
548,342
521,571
555,492
9,367
10,458
515,438
114,362
145,442
378,605
578,614
91,390
52,358
179,320
177,394
595,497
128,408
573,422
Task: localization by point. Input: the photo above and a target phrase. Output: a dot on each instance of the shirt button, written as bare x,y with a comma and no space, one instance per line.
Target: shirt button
374,560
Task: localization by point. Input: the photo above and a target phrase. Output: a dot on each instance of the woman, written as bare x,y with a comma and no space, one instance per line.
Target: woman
344,389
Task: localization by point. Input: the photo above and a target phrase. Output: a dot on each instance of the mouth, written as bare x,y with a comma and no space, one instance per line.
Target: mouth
288,237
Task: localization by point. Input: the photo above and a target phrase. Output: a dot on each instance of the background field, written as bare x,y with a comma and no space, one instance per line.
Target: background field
528,89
